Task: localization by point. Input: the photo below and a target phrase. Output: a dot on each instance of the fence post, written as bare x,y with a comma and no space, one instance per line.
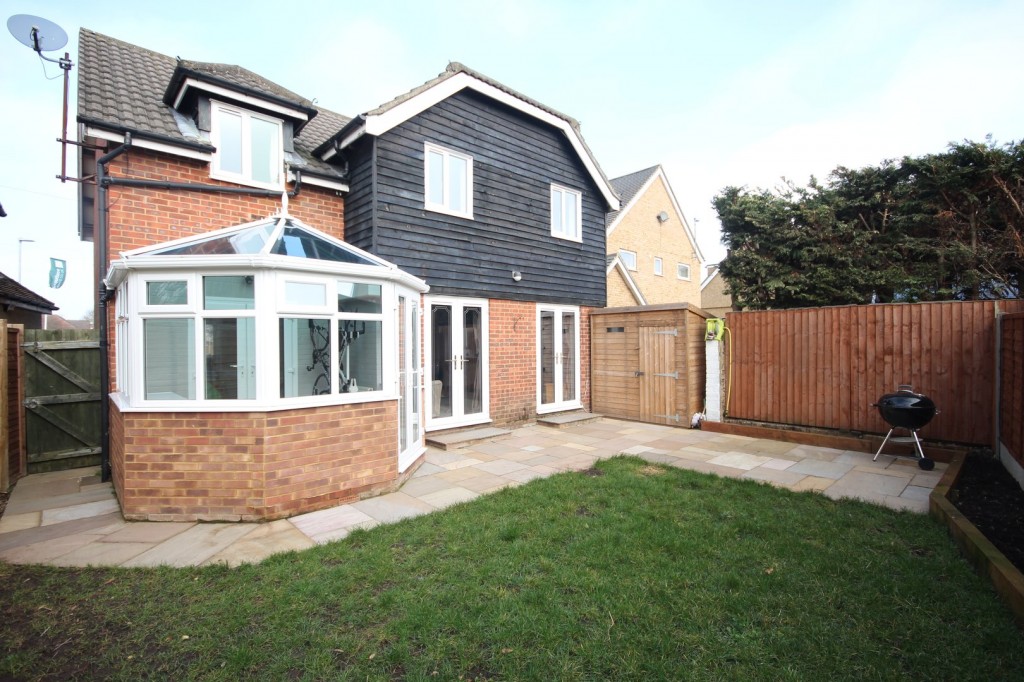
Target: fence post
5,441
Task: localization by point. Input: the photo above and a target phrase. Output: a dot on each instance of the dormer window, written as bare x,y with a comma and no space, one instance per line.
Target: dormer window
249,147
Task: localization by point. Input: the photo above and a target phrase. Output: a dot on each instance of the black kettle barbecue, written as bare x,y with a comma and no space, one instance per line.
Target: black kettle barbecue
905,409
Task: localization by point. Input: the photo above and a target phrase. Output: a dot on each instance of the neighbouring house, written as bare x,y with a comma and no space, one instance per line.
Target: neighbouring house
57,322
652,256
21,305
714,293
273,346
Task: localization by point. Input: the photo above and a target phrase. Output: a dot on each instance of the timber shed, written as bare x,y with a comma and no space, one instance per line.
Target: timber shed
648,362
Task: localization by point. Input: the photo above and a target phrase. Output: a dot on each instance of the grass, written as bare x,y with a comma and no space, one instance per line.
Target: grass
627,571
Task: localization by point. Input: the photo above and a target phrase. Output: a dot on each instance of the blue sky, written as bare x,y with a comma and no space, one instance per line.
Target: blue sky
722,93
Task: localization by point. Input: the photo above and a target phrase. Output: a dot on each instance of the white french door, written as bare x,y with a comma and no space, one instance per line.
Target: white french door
410,414
558,358
456,357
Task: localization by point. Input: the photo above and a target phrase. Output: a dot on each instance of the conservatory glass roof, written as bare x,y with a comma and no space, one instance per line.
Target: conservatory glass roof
277,235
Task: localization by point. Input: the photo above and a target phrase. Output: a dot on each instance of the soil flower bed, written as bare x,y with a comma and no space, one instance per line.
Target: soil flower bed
993,501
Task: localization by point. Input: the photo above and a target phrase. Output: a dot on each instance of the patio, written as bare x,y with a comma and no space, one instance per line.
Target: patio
70,518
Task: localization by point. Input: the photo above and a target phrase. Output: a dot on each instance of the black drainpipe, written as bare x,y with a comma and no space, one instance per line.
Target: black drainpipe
105,295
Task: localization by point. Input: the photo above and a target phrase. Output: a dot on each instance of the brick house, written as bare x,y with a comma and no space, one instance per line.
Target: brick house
653,256
292,297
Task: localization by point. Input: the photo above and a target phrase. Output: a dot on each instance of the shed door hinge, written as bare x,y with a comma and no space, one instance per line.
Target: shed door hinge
673,417
674,375
673,332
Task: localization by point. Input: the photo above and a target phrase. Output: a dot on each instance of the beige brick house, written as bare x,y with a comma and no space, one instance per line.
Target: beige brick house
653,255
714,293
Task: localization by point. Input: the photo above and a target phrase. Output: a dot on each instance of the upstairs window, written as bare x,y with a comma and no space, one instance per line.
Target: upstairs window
628,259
447,181
683,271
657,266
249,147
566,219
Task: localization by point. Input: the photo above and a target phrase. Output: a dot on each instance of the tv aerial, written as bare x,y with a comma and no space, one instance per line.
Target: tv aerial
43,35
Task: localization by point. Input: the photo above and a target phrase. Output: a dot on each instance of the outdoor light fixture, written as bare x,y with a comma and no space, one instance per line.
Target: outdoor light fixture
516,275
662,217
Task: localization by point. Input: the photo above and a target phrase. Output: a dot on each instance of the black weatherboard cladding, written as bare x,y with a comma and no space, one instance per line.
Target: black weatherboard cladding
515,160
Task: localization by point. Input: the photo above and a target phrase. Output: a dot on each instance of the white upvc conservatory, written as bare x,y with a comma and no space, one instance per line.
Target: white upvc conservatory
270,315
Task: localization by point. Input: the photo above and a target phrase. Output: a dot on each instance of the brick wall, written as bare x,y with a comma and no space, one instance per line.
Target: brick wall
248,466
640,231
513,360
145,217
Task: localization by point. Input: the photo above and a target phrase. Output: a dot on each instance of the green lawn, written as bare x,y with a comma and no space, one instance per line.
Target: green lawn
628,571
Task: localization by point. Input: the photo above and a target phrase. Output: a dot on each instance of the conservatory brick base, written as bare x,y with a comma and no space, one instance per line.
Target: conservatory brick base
248,466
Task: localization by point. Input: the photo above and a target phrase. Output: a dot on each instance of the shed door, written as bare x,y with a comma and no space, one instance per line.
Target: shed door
658,375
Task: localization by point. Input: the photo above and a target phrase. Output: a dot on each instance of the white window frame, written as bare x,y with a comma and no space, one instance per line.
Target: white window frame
245,177
269,308
577,235
679,271
625,263
658,267
447,155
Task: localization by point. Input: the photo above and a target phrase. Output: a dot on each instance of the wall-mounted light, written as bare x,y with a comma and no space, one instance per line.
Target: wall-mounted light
662,217
516,275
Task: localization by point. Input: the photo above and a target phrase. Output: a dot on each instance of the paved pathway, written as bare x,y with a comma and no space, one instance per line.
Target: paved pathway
69,518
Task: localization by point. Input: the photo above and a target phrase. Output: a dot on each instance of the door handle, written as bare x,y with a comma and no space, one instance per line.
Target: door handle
638,373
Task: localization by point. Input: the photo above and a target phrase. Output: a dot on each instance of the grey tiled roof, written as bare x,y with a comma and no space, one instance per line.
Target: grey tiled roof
122,87
627,186
12,292
455,68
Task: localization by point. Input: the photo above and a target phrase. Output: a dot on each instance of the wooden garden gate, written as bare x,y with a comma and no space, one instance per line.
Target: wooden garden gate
62,399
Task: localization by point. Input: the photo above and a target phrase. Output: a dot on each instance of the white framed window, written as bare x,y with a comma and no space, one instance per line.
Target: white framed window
566,213
657,266
447,181
251,340
683,271
628,259
249,147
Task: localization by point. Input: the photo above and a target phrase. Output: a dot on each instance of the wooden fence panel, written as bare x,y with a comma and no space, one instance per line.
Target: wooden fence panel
824,367
62,399
12,442
1011,407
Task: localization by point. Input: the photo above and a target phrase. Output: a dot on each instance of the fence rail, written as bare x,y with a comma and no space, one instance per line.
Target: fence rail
824,367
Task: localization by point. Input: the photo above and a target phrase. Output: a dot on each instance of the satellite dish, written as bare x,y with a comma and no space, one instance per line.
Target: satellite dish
42,35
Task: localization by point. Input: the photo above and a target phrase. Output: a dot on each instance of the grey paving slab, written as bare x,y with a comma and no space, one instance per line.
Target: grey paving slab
484,482
21,503
739,460
426,469
147,532
265,540
28,536
861,482
193,546
821,469
12,522
903,503
319,523
393,507
98,553
780,476
418,487
916,492
79,511
449,496
500,467
47,551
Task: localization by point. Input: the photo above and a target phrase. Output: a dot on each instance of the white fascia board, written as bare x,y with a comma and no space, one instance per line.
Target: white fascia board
381,123
145,143
318,181
237,97
708,279
630,282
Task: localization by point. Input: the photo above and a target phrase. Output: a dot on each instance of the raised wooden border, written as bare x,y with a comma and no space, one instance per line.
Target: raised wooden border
983,555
